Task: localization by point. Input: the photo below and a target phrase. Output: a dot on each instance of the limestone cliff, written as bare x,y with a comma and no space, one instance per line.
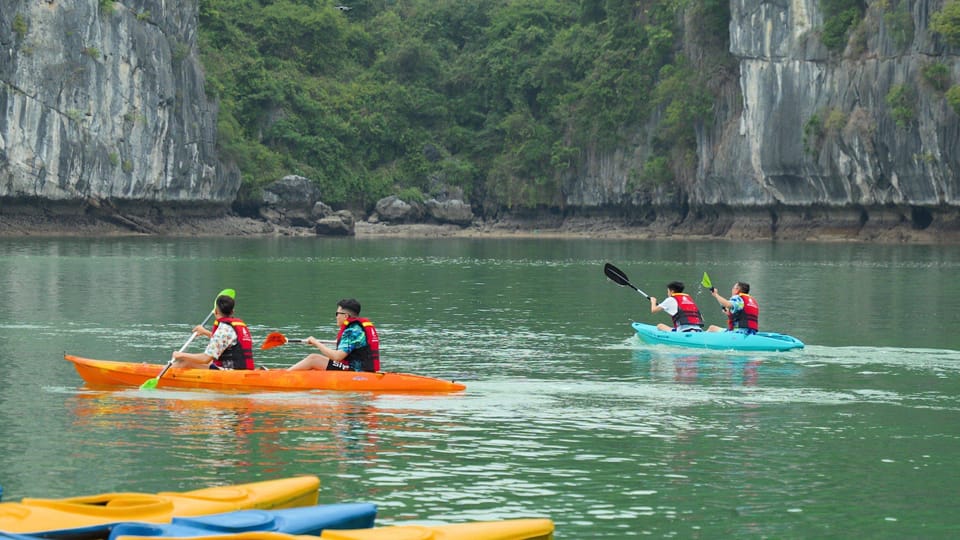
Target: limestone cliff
806,133
861,152
104,100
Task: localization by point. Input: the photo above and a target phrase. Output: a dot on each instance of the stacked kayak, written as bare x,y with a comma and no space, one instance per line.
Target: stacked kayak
305,520
111,373
725,341
511,529
94,516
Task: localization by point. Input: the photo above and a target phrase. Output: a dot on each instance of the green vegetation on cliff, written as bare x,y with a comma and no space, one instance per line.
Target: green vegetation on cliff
839,18
947,22
499,98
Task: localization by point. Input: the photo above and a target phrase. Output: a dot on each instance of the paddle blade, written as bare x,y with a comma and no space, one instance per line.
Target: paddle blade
226,292
149,384
274,339
706,281
616,275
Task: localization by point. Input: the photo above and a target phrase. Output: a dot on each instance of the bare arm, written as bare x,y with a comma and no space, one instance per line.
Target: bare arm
333,354
721,300
201,331
191,360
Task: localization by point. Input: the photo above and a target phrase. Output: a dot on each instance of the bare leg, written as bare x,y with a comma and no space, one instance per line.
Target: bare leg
665,328
715,328
312,361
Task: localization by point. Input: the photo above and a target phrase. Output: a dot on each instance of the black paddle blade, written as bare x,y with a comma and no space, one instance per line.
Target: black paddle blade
616,275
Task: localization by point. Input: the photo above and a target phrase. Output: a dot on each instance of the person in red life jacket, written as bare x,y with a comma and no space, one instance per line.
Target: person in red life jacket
358,344
230,347
681,307
743,311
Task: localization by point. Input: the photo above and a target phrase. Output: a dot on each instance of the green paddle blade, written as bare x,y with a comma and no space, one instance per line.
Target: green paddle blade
150,384
706,281
226,292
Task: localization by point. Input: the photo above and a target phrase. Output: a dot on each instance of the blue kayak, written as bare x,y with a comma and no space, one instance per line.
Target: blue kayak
308,520
723,341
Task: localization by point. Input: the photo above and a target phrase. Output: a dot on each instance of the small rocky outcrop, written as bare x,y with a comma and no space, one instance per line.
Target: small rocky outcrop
340,223
447,208
393,209
294,201
453,211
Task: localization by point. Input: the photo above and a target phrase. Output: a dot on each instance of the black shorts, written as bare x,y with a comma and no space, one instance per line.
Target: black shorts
337,366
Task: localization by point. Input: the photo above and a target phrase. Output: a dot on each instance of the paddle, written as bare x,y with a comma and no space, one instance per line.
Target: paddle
705,282
276,339
618,277
150,384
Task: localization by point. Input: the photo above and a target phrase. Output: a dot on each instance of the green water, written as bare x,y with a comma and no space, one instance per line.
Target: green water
566,415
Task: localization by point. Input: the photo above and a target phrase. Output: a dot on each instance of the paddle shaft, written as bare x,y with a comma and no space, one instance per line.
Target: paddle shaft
617,276
324,341
185,345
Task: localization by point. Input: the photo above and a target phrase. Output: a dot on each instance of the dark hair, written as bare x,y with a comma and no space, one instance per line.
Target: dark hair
675,286
351,305
744,287
225,304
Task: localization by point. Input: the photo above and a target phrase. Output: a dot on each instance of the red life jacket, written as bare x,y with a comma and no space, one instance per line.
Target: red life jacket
368,358
687,312
748,317
240,354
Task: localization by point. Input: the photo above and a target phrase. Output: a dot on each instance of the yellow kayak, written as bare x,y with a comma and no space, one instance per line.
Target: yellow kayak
511,529
93,515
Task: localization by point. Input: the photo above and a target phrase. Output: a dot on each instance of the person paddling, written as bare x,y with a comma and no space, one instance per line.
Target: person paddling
358,344
681,307
743,311
230,347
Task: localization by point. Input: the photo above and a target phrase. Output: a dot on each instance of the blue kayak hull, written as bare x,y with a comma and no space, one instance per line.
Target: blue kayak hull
720,341
308,520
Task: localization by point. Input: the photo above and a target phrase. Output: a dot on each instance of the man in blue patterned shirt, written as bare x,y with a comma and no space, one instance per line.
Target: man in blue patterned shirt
357,348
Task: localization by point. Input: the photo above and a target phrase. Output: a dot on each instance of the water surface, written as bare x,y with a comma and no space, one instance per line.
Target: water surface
566,415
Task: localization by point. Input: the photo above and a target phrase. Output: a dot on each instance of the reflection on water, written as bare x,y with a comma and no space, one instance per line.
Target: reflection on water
709,367
216,432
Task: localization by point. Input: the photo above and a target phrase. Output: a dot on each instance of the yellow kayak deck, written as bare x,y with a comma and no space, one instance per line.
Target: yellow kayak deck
510,529
34,515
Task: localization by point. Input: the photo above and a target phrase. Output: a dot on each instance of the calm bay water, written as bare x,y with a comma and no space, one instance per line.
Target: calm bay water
566,415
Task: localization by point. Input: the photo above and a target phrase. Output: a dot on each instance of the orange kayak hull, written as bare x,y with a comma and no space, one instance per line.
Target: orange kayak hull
113,373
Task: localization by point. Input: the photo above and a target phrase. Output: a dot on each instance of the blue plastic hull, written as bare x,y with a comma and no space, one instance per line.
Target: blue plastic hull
309,520
721,341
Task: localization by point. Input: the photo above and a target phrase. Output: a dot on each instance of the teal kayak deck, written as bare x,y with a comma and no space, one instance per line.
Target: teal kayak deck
733,341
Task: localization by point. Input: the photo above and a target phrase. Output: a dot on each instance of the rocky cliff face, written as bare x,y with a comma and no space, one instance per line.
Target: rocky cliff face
817,129
104,101
806,134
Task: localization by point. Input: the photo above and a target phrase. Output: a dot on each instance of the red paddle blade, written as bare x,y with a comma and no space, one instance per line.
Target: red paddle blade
274,339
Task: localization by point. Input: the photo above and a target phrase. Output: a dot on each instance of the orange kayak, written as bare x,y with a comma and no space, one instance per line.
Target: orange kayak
111,373
92,515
